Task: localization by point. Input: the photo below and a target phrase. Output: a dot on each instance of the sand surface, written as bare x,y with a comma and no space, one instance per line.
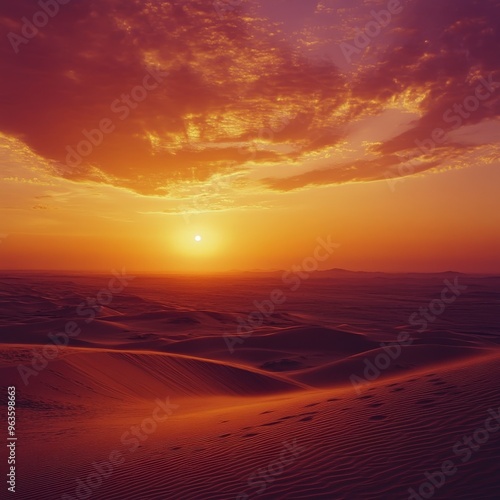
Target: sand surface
276,415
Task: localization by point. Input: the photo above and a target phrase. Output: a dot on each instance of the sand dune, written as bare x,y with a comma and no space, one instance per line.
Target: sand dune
278,418
412,358
93,376
374,445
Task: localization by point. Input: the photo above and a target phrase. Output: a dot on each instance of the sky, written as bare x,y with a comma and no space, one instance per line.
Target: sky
129,128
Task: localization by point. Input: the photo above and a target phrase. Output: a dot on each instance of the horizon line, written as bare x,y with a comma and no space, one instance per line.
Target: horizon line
238,271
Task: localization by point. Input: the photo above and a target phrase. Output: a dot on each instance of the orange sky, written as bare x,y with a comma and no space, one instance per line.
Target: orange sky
258,127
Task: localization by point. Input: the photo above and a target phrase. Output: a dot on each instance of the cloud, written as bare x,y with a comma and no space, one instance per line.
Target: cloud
441,51
227,80
359,170
237,95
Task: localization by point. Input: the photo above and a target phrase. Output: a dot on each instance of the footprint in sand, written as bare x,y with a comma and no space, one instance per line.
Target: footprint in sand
365,397
312,404
334,399
378,417
175,448
398,389
265,412
251,434
224,435
375,405
425,401
271,423
306,419
288,417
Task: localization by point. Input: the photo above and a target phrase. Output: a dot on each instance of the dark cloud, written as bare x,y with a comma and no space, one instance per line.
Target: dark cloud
229,80
226,81
441,49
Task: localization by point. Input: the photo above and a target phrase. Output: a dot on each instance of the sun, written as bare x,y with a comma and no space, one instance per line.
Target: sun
200,246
